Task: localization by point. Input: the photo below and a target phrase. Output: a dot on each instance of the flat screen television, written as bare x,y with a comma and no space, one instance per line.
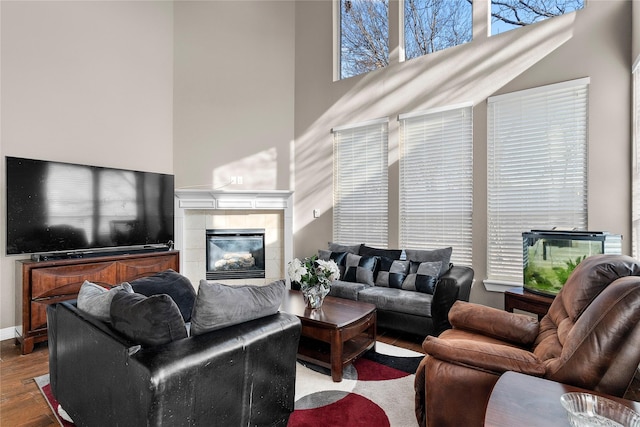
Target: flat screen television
58,208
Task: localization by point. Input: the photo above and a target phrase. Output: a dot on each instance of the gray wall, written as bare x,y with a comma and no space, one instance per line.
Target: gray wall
594,42
84,82
234,85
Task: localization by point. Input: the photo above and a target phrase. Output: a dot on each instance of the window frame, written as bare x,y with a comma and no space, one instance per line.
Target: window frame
635,170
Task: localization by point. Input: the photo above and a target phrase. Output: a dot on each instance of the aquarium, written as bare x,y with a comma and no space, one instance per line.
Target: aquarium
549,256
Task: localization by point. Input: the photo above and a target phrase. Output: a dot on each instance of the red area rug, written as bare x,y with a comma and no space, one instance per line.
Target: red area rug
376,391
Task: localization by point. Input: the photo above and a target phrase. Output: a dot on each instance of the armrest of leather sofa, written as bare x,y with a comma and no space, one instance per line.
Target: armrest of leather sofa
454,285
515,328
240,375
484,356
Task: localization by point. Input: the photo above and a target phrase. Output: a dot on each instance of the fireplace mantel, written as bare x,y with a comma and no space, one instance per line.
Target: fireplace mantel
241,200
217,199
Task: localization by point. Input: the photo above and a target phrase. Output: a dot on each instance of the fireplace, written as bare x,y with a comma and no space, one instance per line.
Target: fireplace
235,254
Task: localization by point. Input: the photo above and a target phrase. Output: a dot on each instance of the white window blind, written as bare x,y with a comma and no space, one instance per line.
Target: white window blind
436,181
360,184
537,169
635,210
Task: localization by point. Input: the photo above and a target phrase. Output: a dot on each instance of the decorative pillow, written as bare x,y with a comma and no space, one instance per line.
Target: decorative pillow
337,247
96,300
422,277
391,272
171,283
338,257
146,320
442,255
360,269
218,306
389,253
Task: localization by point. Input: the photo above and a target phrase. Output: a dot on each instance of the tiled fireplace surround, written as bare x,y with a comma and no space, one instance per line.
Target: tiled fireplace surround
198,210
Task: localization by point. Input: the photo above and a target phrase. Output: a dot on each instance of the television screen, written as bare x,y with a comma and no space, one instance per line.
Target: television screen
54,206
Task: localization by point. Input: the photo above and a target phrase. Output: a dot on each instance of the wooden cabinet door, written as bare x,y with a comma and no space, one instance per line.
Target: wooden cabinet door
131,269
67,279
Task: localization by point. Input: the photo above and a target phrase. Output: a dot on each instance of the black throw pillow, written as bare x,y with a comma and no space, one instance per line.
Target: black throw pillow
145,320
371,251
171,283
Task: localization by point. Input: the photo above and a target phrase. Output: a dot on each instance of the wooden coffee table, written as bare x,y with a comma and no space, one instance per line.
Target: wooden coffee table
334,335
523,400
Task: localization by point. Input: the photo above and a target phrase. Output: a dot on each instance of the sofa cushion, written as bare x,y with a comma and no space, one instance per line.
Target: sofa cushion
338,247
389,253
391,272
420,255
338,257
171,283
422,277
218,306
96,300
360,269
146,320
347,290
399,300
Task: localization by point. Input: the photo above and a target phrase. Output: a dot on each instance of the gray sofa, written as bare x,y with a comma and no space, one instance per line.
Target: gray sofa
413,290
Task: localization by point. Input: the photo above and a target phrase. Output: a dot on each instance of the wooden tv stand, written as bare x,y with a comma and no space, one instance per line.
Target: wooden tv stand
40,283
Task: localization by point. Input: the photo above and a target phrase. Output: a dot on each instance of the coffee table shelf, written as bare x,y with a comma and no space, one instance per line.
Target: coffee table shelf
335,334
319,352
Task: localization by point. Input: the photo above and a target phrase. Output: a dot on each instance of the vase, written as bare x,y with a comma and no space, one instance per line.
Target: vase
314,297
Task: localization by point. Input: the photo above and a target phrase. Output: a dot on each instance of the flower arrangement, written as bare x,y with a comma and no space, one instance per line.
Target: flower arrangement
315,277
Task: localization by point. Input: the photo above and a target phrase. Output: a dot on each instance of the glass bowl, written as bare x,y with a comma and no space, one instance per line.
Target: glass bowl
589,410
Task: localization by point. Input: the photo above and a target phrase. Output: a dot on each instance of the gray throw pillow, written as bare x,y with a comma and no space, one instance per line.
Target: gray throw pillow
422,255
218,306
96,300
338,247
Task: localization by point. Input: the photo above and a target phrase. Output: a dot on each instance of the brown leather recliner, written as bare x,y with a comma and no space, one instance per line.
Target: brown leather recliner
590,338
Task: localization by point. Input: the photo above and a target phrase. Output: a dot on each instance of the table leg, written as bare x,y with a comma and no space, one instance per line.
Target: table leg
336,356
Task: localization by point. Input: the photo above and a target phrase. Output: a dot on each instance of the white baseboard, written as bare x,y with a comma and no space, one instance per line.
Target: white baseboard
7,333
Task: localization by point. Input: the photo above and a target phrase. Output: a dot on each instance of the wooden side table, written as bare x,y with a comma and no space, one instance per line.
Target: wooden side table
527,301
522,400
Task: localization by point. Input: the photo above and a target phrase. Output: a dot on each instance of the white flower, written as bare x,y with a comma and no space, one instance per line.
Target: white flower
329,269
297,270
313,272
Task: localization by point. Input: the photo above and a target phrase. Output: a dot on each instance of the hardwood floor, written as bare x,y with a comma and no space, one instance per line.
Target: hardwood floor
22,404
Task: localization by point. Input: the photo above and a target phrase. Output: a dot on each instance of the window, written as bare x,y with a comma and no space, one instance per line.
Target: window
536,171
360,184
432,25
509,14
364,36
436,181
635,211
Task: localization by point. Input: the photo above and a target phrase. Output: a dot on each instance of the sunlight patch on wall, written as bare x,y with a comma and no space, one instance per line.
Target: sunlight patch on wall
466,73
